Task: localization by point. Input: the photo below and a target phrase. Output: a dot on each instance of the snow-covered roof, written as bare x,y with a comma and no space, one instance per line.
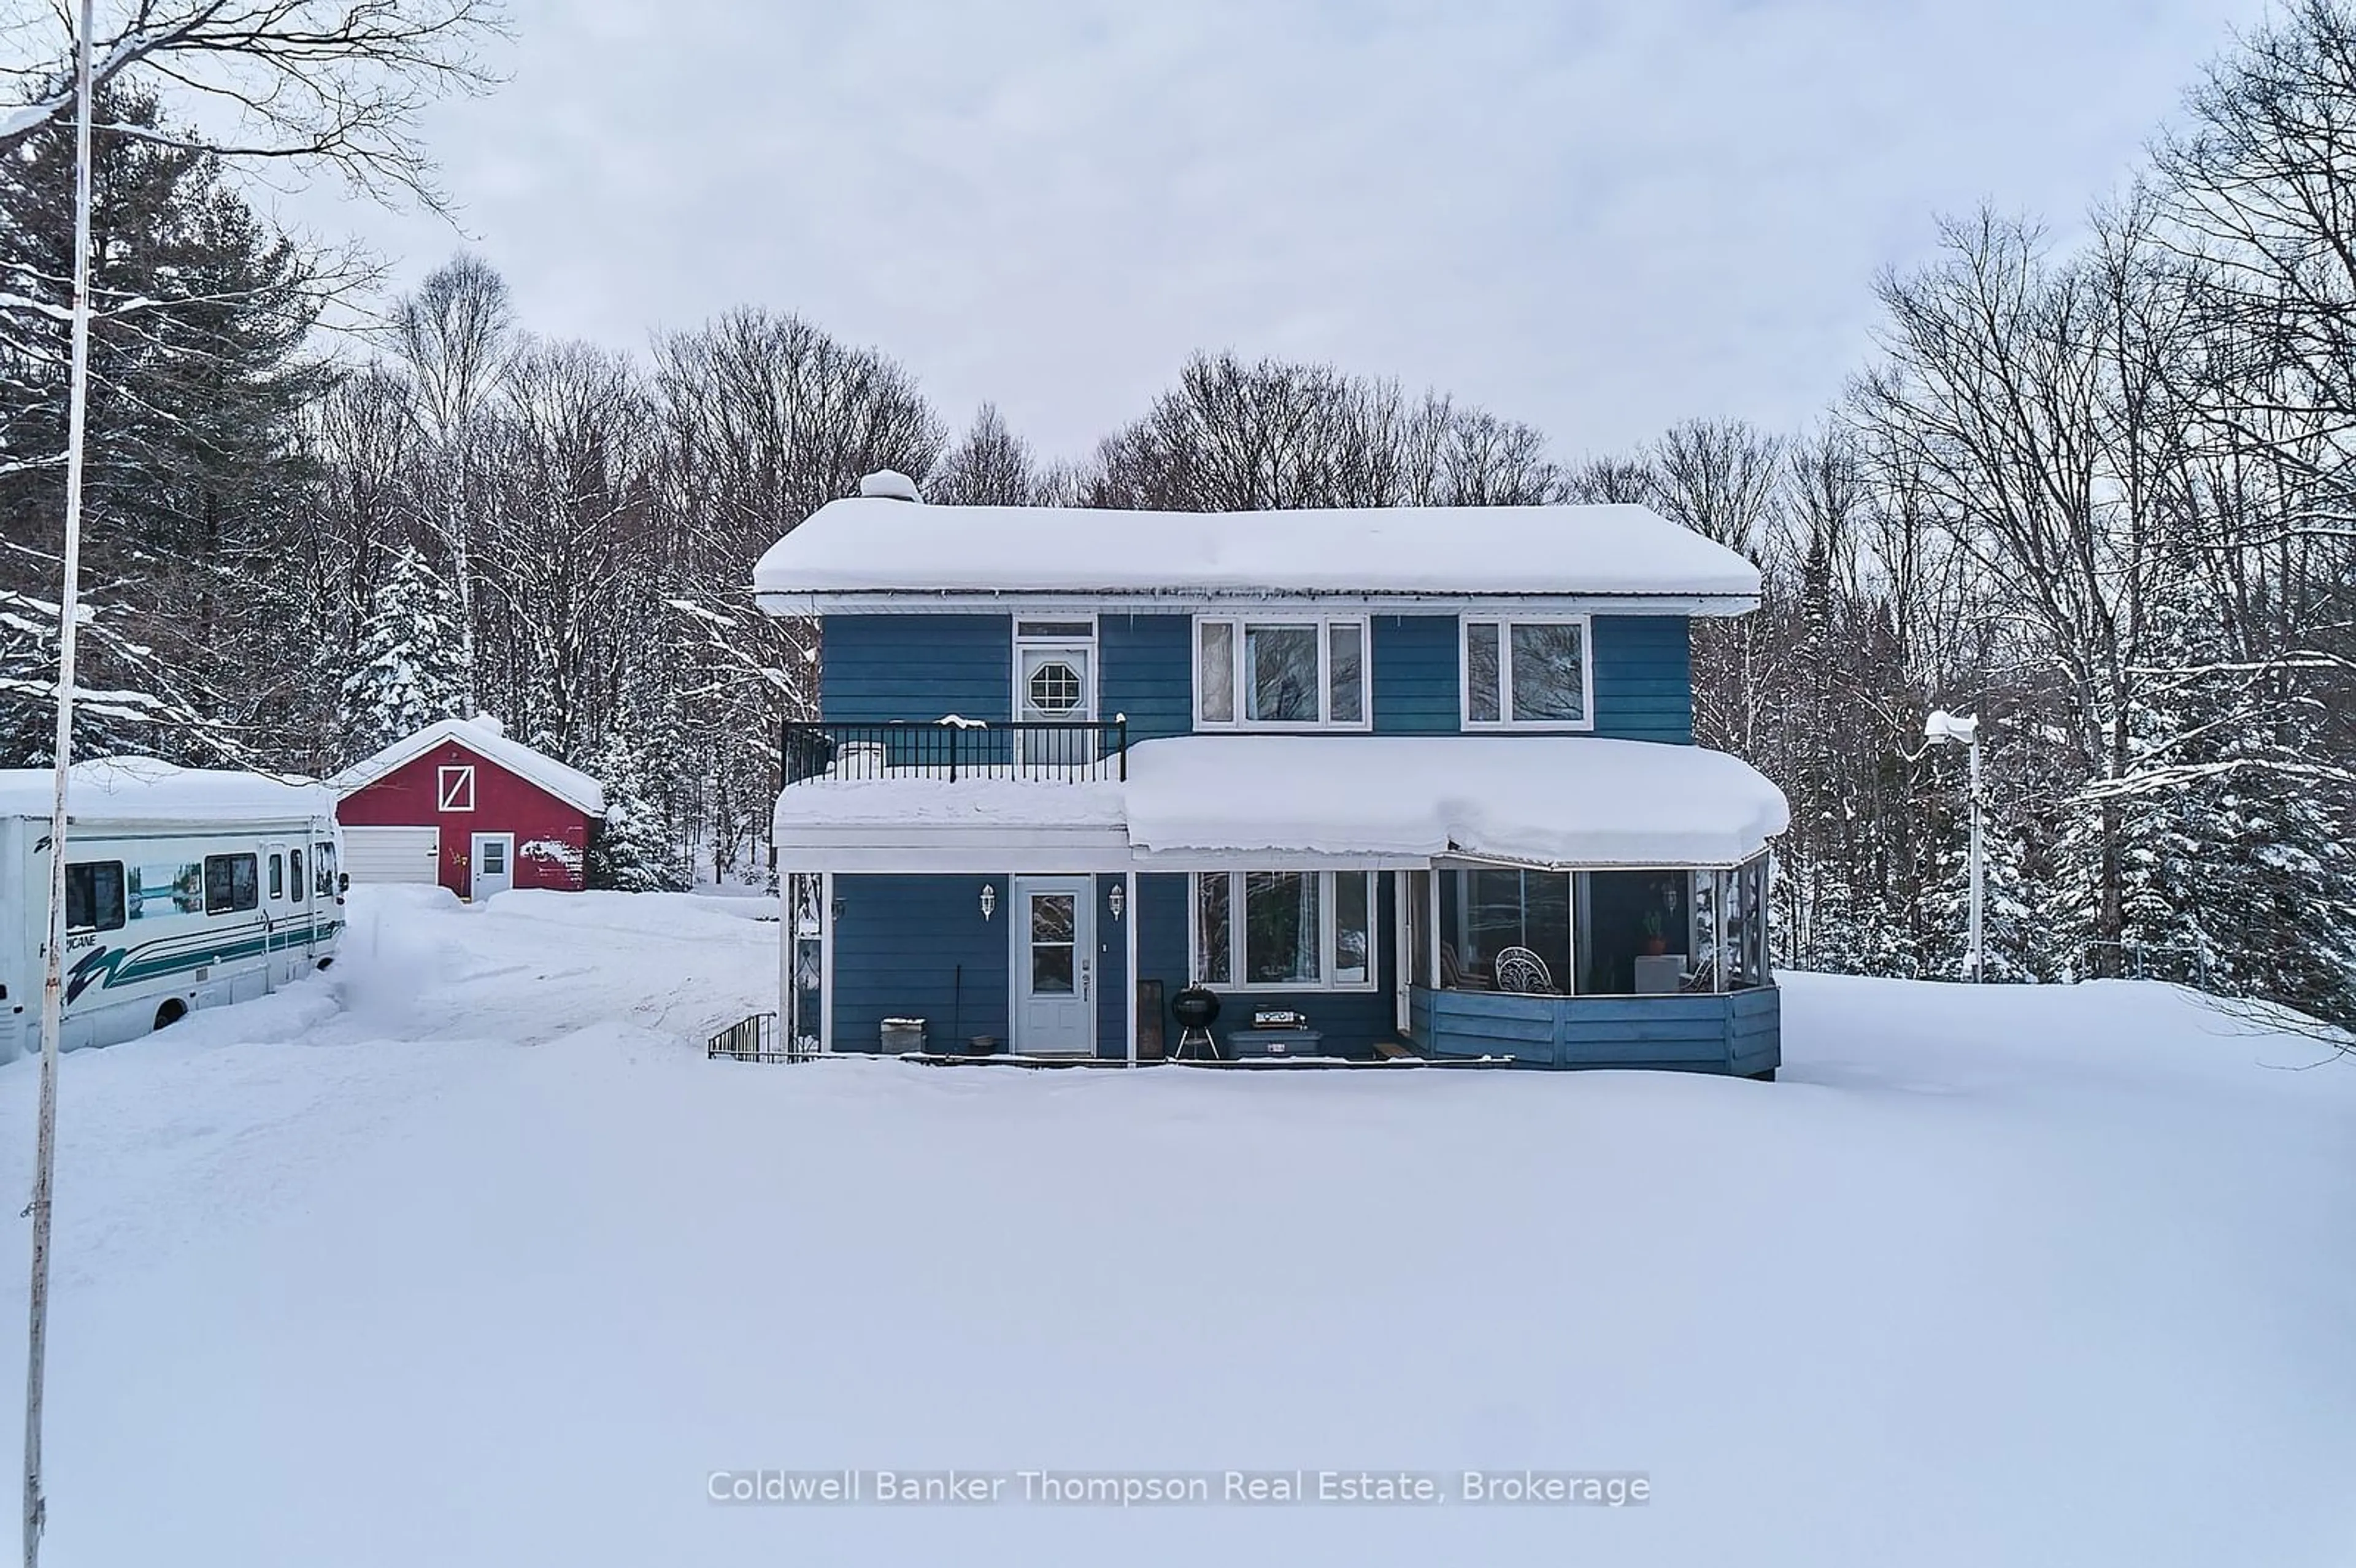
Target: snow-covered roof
142,789
855,551
1560,800
484,738
1396,800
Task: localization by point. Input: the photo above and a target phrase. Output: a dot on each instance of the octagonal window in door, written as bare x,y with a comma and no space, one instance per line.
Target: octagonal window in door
1055,687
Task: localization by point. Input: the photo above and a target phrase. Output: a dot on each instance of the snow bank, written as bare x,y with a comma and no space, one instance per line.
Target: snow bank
142,789
1995,1275
871,545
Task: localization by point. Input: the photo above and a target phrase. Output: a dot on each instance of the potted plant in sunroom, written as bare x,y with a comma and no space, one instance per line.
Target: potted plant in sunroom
1656,940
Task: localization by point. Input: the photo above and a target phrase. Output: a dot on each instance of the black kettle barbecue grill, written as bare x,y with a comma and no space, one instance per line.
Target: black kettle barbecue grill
1196,1009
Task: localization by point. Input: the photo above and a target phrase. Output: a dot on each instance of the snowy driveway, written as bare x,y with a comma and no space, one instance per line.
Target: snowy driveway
470,1257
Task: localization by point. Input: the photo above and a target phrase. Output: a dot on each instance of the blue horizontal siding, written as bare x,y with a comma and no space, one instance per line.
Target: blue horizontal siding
1112,973
1644,678
898,945
876,668
1148,673
879,668
1738,1032
1416,685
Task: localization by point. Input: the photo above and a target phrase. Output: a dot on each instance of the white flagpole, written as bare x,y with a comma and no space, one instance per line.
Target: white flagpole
53,979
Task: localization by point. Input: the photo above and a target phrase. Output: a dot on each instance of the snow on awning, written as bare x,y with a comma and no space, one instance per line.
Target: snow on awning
862,549
1538,800
1389,800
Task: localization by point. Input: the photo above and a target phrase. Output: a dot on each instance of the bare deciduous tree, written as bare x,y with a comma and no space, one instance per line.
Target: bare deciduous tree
334,83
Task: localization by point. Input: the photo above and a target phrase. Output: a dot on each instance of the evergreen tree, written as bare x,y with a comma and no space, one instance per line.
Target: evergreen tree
405,676
196,381
630,851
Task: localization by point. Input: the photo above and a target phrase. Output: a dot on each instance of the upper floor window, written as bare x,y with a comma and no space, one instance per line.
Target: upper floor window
1272,673
1528,673
455,788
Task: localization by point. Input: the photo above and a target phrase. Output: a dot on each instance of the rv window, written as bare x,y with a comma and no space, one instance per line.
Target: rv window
323,869
294,874
277,876
94,896
174,888
232,883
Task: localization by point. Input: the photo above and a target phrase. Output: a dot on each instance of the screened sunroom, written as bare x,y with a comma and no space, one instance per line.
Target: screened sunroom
1622,967
1554,900
1619,931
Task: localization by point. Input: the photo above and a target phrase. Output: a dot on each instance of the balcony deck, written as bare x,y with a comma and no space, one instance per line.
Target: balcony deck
954,748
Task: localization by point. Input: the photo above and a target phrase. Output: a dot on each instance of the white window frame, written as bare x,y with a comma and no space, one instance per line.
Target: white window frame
1506,720
449,779
1328,934
1058,644
1237,625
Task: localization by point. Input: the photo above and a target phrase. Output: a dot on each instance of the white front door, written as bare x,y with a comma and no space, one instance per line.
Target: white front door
493,863
1054,966
1055,683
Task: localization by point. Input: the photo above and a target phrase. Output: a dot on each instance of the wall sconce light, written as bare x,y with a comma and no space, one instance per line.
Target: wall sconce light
988,903
836,910
1119,901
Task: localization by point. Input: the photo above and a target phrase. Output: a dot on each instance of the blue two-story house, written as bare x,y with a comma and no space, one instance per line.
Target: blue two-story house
1424,777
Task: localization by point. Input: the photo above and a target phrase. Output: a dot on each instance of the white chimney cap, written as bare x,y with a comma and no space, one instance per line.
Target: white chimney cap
889,485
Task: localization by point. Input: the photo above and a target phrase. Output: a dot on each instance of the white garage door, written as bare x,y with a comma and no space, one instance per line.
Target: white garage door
392,854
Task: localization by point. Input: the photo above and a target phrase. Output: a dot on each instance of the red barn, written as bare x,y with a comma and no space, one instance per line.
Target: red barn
461,805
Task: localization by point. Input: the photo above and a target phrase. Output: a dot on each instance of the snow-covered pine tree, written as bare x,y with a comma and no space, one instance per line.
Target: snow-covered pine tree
404,676
631,850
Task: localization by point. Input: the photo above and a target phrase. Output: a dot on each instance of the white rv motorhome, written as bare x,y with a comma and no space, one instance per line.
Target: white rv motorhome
185,887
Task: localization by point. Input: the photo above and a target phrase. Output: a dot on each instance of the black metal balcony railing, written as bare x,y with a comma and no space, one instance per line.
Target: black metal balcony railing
1063,749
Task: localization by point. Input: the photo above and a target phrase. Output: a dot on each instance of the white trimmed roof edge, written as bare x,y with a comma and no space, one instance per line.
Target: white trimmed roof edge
566,783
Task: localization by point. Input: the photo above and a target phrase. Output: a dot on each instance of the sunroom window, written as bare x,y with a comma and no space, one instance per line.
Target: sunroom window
1527,673
1284,930
1279,674
1598,932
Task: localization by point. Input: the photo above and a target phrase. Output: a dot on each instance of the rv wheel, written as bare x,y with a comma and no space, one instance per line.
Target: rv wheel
170,1013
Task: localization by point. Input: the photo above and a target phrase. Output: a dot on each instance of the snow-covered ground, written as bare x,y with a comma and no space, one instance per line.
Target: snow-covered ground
463,1255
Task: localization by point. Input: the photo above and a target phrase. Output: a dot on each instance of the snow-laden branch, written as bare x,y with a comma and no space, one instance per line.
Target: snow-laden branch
2178,776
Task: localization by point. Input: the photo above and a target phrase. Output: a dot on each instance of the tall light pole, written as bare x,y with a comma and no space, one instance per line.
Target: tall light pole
1943,728
45,1158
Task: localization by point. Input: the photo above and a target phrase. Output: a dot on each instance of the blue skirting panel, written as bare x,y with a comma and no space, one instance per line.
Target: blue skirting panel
1740,1032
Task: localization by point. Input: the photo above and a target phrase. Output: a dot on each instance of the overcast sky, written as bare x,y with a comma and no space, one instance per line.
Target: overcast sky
1598,218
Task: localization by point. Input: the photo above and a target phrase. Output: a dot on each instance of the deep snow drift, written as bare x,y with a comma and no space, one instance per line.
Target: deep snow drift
464,1254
